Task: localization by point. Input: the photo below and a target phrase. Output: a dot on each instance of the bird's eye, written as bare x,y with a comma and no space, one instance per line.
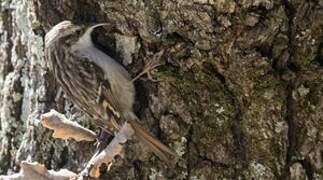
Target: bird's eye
78,32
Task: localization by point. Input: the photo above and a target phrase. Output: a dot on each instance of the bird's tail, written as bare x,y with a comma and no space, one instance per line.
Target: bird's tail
157,147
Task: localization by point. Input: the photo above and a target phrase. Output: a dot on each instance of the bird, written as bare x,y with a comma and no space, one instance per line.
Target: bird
95,82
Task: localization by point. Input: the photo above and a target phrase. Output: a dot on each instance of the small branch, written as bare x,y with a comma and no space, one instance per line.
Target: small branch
107,155
38,171
64,128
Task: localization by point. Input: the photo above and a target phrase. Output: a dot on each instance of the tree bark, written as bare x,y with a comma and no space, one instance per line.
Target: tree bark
239,95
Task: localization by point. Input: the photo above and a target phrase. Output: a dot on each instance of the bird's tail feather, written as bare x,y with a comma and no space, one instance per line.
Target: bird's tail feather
157,147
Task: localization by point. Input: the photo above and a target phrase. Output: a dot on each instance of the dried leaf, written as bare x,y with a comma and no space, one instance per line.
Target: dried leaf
64,128
38,171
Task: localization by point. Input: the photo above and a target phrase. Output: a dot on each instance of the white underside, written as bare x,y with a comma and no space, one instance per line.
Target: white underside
119,79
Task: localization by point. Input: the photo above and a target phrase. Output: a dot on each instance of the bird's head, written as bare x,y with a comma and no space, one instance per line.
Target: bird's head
70,33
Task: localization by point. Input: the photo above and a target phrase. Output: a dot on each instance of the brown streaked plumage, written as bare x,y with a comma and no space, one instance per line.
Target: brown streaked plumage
95,82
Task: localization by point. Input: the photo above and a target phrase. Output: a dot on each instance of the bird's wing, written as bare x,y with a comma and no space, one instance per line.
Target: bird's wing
95,90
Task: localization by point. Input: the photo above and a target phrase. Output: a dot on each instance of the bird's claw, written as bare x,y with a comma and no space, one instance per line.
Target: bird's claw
150,67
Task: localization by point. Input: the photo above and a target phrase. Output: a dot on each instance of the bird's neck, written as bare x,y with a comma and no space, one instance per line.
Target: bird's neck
85,40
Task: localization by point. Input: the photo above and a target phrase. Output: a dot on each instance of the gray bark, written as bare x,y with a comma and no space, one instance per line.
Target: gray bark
239,96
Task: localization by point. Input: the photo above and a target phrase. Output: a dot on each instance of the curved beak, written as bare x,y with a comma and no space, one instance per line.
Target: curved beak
86,37
91,28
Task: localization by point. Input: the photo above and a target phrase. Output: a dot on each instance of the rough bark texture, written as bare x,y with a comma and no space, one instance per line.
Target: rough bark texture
239,96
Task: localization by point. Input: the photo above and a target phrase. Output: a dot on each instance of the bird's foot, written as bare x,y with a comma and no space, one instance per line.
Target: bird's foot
150,67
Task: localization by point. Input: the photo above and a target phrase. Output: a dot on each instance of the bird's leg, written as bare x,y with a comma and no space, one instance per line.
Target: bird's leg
150,66
147,70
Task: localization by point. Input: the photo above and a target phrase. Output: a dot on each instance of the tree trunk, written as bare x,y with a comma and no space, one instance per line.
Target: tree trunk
239,95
